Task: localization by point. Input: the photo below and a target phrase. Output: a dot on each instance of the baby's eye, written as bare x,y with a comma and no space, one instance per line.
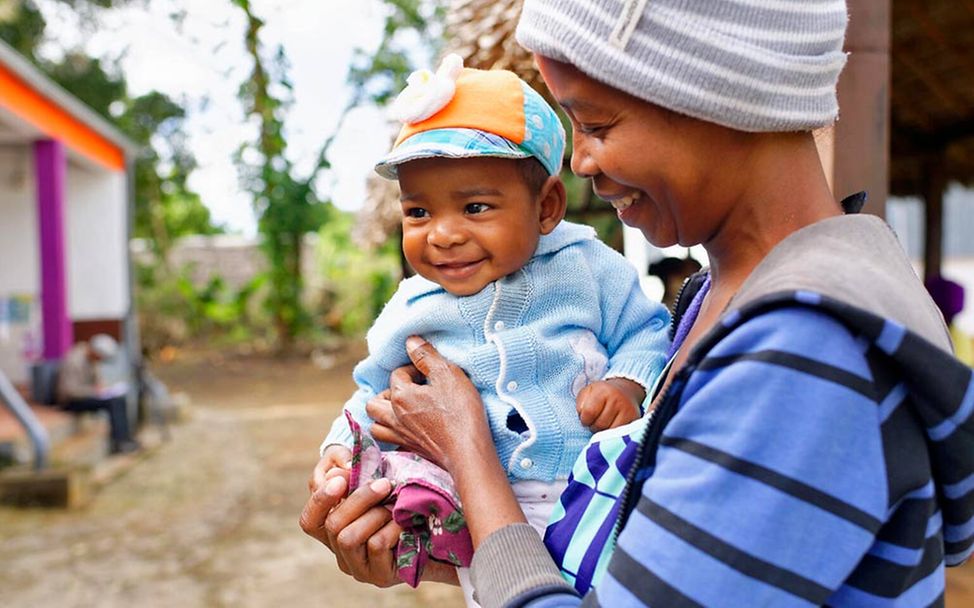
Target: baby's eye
416,212
474,208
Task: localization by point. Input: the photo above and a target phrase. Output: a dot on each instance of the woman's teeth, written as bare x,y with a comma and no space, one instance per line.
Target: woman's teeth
621,204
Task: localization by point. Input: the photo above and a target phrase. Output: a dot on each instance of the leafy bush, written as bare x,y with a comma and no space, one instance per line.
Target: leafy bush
357,282
172,310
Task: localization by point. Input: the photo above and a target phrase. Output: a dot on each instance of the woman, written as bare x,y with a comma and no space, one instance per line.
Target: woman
812,442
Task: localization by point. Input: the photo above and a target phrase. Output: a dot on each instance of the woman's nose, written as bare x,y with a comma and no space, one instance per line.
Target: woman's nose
446,233
583,165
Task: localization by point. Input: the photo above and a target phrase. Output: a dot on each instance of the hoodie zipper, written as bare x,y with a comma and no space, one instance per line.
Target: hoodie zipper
678,380
650,439
676,305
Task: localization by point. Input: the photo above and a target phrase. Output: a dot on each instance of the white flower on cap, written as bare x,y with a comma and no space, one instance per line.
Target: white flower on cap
428,93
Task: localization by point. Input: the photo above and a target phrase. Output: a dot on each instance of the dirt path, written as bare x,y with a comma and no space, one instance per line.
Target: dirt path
210,519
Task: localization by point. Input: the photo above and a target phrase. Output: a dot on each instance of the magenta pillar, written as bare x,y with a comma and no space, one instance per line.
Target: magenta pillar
50,166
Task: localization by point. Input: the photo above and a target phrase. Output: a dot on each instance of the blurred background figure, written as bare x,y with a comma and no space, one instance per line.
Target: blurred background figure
672,272
81,388
949,298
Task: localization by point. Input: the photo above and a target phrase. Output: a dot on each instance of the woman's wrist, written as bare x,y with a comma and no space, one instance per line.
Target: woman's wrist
488,501
439,572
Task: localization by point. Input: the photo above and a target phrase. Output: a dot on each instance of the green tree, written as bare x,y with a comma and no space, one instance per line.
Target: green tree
165,206
286,204
380,75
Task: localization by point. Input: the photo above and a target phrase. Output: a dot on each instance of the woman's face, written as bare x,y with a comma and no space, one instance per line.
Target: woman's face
656,167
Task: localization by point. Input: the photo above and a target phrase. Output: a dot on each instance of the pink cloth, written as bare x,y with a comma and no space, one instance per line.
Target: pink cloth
424,502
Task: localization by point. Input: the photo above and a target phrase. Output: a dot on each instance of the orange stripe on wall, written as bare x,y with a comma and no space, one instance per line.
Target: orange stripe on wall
55,122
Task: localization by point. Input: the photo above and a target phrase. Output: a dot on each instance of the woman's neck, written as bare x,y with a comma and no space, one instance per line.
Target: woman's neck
785,189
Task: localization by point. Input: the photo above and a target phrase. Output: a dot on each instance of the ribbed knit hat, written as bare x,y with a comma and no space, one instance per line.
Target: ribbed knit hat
751,65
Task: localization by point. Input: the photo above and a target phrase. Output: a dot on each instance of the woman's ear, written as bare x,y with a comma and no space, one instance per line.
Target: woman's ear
553,203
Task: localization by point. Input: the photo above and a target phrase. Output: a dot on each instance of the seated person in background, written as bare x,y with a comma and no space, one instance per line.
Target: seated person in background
81,389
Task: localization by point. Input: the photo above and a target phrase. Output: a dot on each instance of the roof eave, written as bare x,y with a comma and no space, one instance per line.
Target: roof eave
34,78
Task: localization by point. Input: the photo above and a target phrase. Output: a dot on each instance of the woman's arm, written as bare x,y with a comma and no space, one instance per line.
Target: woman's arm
433,408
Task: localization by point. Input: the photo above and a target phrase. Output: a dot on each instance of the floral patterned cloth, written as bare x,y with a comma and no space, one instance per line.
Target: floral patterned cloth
424,502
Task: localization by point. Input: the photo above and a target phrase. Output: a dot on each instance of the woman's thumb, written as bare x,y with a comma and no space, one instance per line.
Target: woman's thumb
420,353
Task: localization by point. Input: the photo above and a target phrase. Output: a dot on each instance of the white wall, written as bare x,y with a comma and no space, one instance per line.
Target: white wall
95,242
18,222
19,255
97,254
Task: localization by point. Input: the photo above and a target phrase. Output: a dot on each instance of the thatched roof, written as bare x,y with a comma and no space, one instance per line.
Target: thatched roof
933,91
932,98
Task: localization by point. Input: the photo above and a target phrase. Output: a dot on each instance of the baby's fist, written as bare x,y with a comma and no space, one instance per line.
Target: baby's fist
606,404
334,462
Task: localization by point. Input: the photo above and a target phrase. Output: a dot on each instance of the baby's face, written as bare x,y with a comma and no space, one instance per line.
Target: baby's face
467,222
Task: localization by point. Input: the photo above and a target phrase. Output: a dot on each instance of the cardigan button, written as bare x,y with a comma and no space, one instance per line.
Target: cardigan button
526,463
498,326
511,386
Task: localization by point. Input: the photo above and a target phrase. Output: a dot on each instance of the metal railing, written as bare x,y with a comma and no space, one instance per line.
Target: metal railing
35,430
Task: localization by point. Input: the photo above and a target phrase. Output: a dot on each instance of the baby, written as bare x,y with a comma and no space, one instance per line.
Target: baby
549,323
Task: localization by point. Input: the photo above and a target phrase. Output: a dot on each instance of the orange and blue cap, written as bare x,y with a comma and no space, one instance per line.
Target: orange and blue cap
465,113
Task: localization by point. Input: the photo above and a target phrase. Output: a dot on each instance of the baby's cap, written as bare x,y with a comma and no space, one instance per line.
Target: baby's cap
465,113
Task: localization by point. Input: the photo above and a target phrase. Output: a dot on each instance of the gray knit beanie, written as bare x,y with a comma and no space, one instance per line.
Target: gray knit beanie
751,65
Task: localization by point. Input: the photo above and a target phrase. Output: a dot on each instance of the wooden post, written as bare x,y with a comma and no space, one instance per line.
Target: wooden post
934,184
855,153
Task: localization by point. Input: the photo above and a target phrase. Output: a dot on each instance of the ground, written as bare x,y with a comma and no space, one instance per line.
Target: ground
210,518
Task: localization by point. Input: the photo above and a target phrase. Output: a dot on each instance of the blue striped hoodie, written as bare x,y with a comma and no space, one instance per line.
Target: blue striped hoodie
816,449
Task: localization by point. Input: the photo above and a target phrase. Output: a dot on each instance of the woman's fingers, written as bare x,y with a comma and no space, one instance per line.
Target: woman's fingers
424,356
381,432
356,505
407,375
319,504
380,551
351,526
380,410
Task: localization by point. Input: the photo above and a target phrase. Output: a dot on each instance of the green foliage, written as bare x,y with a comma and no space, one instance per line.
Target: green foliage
22,27
357,283
287,206
165,207
174,311
380,75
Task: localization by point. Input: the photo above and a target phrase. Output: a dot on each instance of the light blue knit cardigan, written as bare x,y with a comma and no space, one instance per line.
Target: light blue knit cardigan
530,341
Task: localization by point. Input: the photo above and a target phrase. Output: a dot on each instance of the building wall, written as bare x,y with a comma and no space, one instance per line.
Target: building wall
97,253
95,240
19,291
18,222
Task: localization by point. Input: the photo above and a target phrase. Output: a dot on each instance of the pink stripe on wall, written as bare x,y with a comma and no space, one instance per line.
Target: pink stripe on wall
50,168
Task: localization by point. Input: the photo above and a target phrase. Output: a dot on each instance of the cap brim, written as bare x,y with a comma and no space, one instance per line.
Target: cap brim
459,143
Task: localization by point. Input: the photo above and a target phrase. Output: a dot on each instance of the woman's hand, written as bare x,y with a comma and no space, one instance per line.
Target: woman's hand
444,420
359,531
439,417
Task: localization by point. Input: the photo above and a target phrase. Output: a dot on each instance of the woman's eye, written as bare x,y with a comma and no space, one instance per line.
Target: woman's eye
591,129
416,212
473,208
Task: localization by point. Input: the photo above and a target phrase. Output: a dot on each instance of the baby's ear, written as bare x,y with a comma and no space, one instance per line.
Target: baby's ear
553,203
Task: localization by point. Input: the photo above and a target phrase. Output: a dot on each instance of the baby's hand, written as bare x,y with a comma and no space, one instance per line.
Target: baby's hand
606,404
336,461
